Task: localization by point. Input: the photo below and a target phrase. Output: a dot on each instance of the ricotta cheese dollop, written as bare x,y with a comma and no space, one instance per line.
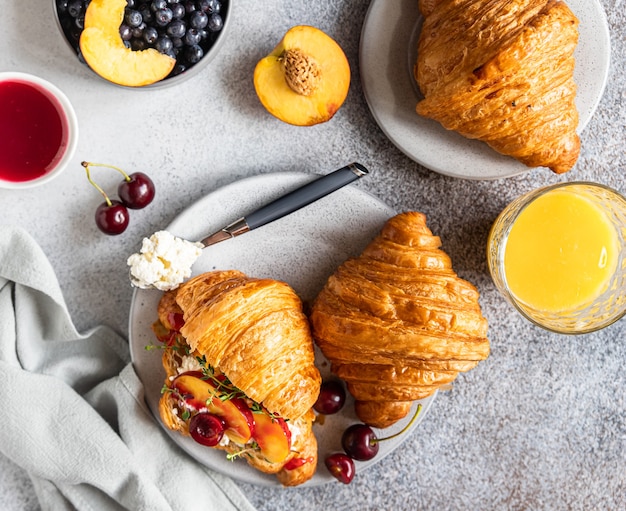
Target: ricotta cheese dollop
163,262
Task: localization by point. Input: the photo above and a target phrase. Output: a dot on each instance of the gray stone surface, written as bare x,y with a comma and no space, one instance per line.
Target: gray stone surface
540,425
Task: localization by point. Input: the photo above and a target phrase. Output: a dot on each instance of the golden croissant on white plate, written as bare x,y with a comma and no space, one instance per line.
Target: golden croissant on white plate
502,71
239,351
397,323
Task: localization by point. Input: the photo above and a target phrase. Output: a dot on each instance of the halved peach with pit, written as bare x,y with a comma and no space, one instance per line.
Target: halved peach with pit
305,79
104,51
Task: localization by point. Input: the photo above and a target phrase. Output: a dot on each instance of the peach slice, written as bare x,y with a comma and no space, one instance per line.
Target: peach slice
305,79
273,437
200,394
103,49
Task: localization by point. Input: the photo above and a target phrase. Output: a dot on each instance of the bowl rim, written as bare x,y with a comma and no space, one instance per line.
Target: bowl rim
166,82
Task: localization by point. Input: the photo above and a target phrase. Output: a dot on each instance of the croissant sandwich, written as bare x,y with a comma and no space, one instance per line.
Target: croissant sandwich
397,323
502,71
240,373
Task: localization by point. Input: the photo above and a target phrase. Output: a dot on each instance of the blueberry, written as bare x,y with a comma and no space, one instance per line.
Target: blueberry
215,23
199,20
178,43
80,22
176,28
138,31
62,6
163,17
194,53
192,37
157,5
178,11
178,69
133,18
150,35
138,44
126,33
171,53
209,6
164,44
75,8
146,13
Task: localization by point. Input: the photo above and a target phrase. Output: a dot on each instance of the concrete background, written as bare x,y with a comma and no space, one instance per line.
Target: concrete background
540,425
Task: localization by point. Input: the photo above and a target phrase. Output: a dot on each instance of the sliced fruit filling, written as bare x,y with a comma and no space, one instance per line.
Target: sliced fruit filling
216,410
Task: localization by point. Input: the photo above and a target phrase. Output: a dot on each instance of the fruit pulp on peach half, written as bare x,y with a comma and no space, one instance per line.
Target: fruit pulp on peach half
328,87
242,425
104,51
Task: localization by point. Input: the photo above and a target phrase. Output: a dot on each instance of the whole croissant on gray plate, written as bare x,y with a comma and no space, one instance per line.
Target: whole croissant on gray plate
397,323
502,71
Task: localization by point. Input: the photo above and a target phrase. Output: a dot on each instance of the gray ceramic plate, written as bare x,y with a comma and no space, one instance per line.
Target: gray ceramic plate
387,53
302,249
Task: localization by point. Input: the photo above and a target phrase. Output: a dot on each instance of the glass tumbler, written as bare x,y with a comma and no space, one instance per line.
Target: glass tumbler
536,250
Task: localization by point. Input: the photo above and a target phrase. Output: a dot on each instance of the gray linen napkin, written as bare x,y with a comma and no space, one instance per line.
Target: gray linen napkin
72,408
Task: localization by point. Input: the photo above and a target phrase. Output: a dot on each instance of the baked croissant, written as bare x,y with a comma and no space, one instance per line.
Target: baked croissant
397,323
241,349
502,71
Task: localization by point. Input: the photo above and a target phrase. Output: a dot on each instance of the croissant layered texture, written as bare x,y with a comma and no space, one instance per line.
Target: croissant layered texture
254,330
502,71
244,345
397,323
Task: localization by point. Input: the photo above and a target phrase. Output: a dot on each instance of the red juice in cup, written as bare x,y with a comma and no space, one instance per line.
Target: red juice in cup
35,132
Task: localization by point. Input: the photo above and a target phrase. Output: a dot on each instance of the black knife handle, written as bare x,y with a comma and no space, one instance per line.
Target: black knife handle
305,195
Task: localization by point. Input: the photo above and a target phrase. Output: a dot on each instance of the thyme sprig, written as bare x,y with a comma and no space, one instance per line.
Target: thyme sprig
224,389
252,447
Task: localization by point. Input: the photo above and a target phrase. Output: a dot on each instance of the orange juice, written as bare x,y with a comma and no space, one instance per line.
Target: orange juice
561,252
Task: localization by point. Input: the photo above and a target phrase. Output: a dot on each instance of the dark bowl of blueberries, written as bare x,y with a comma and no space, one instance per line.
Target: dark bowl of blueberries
144,44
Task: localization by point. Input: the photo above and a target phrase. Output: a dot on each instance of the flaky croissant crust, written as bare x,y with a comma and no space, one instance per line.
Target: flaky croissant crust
397,323
255,332
502,71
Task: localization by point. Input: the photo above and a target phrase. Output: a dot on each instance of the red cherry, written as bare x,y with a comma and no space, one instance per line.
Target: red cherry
360,442
136,191
331,399
207,429
341,467
112,217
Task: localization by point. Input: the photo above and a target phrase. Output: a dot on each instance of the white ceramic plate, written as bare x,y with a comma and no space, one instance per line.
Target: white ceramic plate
302,249
387,53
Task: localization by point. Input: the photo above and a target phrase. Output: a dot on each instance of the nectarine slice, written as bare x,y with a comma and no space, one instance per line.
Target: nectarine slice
104,51
273,437
305,79
201,394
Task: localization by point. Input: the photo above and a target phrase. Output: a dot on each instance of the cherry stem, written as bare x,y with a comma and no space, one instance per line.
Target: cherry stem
96,186
87,164
403,430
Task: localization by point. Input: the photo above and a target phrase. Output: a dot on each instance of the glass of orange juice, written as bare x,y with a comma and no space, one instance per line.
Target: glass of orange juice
558,254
